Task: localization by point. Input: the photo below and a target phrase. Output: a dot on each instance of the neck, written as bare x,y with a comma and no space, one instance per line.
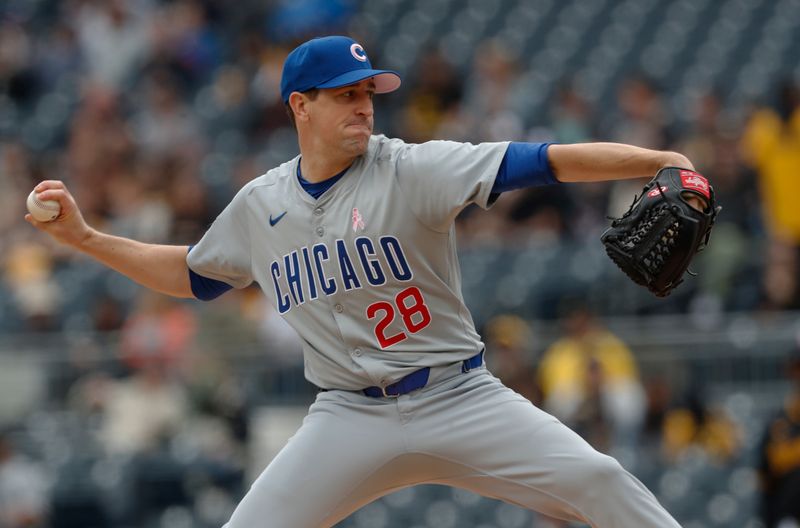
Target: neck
319,168
319,160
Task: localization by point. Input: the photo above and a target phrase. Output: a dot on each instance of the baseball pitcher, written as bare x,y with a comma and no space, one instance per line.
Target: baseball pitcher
353,243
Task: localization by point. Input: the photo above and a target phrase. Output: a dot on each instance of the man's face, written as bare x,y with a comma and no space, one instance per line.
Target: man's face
342,118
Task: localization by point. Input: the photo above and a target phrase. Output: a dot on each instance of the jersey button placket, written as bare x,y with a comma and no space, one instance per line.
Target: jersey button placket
320,231
339,308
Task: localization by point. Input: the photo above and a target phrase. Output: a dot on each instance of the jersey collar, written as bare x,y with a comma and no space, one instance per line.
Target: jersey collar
316,190
346,181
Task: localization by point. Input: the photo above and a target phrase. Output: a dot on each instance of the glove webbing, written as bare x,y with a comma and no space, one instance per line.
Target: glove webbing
659,220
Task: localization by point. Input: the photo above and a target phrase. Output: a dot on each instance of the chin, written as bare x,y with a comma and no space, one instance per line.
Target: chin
357,145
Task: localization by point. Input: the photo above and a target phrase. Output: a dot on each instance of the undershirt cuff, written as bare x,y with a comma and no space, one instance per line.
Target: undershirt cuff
524,165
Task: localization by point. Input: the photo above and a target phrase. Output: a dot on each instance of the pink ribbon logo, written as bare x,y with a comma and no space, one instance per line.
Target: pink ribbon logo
358,221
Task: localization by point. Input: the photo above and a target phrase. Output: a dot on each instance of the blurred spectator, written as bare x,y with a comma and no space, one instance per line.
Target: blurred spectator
433,100
142,412
29,273
297,20
705,130
591,419
165,124
486,229
702,425
711,141
590,366
252,323
779,463
510,354
189,202
23,489
583,207
137,206
158,333
59,54
16,53
226,107
99,147
114,39
270,112
571,116
184,40
219,427
772,144
16,180
780,276
640,119
540,215
485,112
659,391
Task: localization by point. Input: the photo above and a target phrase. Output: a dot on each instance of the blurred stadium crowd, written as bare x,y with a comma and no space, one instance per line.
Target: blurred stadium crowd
156,112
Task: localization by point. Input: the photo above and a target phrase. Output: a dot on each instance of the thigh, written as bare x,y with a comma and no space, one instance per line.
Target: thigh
317,478
511,450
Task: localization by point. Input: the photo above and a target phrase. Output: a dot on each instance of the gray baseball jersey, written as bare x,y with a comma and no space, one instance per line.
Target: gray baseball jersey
367,274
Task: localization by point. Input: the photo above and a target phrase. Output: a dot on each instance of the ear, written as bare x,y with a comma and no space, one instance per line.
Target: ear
299,104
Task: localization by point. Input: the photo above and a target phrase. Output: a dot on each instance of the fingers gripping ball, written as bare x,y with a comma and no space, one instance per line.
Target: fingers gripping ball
654,242
42,210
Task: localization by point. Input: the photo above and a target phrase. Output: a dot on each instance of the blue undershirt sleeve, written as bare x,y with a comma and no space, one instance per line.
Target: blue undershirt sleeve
524,165
204,288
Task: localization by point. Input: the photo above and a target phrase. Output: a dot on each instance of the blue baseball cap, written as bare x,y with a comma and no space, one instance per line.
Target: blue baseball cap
331,62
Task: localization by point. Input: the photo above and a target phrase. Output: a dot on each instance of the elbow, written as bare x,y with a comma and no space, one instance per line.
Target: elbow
176,292
183,294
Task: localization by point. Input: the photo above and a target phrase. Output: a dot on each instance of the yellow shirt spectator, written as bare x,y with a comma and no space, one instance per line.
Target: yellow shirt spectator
774,150
566,362
590,362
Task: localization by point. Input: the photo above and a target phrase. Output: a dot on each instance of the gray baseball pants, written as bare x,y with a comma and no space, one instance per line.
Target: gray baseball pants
463,430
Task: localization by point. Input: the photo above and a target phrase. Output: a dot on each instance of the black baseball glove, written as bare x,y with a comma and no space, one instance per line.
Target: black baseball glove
655,240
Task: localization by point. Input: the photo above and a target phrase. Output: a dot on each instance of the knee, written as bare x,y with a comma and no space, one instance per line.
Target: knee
602,468
597,477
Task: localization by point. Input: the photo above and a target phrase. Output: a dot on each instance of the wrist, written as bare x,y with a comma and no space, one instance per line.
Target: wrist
675,159
83,242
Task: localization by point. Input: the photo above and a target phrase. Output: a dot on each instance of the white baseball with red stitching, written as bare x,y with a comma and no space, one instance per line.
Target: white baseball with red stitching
42,210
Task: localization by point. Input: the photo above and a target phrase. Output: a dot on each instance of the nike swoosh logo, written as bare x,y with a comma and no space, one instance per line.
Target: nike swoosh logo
273,221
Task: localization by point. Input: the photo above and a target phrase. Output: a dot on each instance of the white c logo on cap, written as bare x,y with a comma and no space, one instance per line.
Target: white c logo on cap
358,52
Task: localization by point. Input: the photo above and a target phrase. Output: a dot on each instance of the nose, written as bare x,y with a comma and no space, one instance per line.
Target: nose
364,106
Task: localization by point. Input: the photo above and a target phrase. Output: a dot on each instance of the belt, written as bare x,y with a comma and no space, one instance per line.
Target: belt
417,380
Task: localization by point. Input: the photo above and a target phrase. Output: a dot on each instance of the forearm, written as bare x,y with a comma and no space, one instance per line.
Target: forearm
160,268
589,162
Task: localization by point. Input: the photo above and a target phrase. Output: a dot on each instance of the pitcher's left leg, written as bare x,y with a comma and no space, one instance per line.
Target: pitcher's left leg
511,450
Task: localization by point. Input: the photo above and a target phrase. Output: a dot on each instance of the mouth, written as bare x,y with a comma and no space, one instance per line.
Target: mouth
360,125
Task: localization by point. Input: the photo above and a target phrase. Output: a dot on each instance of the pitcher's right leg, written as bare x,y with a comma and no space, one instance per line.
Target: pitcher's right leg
345,439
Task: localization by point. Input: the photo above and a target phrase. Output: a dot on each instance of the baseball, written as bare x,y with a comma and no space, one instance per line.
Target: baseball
42,210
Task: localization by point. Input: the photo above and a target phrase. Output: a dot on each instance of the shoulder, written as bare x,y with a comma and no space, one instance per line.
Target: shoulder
382,148
276,175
